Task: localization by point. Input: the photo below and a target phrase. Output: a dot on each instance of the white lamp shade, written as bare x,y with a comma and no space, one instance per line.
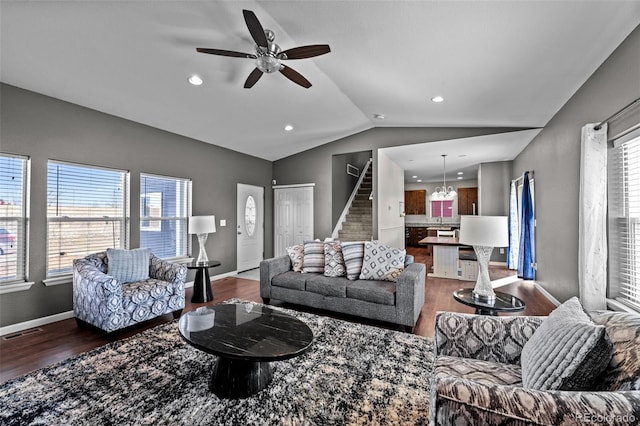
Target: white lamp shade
202,224
488,231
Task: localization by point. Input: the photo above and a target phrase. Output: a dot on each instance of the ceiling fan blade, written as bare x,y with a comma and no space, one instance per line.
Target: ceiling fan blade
253,78
295,76
226,53
303,52
255,28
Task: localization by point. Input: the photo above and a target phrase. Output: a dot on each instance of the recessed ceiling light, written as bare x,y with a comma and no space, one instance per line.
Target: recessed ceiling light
437,99
460,173
419,180
414,177
379,116
195,80
288,127
460,178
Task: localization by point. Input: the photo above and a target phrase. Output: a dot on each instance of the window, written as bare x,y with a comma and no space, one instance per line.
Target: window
442,208
165,203
87,212
14,183
624,220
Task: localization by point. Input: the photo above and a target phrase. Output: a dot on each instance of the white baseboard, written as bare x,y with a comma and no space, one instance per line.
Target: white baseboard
547,294
14,328
504,281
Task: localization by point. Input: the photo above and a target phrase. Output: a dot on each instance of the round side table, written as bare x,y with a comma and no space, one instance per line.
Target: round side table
202,291
503,303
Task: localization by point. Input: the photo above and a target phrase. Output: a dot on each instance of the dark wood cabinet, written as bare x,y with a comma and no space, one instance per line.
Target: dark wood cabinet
414,234
415,201
467,201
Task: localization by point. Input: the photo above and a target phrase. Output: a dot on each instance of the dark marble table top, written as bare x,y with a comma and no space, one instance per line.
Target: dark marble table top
503,302
245,331
208,264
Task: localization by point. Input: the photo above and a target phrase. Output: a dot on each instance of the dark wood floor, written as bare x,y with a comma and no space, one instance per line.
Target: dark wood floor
57,341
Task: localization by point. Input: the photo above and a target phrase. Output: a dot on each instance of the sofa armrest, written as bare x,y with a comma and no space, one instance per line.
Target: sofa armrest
91,281
174,273
410,293
455,400
269,268
487,338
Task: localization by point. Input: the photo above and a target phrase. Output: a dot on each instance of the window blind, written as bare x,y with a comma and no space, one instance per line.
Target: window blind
87,212
165,204
624,220
14,176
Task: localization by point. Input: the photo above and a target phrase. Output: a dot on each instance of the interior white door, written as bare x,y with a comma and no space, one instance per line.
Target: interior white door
293,217
250,226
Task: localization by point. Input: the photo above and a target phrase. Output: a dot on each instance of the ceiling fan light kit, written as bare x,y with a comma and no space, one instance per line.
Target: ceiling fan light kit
269,55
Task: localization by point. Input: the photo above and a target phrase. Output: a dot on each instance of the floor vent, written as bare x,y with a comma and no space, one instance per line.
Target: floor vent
22,333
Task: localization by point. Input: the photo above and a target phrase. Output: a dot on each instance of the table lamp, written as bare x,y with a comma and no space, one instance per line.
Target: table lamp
484,233
202,226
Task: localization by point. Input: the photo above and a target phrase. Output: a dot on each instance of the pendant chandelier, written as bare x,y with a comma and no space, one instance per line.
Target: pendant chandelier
445,192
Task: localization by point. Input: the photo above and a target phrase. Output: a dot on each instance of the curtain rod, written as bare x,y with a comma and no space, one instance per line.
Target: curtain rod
617,114
522,177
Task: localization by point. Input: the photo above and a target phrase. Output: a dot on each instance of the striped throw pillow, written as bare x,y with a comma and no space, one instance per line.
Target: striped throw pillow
128,266
313,257
353,252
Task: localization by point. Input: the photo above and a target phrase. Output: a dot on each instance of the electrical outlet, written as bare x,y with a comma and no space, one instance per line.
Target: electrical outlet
501,250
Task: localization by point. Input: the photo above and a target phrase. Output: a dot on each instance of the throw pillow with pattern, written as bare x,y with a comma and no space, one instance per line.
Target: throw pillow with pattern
382,262
353,253
296,254
313,261
334,265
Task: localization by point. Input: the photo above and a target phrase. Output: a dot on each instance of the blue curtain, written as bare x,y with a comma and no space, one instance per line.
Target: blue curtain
527,234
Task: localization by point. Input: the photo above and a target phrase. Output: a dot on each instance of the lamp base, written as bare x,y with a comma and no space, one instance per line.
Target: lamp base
202,256
483,291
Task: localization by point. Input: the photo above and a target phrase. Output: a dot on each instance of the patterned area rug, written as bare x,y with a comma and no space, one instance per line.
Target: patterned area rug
353,375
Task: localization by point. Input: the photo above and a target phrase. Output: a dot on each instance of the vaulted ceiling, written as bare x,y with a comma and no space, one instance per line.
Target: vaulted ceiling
496,63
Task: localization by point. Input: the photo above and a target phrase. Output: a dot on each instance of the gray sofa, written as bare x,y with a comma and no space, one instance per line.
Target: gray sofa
394,302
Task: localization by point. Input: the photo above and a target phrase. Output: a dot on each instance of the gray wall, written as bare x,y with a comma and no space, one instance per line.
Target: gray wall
314,165
46,128
343,183
554,155
494,185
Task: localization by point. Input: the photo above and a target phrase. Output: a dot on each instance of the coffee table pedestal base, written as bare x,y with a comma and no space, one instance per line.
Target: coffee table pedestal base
232,378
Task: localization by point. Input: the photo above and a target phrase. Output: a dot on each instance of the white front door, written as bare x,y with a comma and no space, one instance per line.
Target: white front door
250,228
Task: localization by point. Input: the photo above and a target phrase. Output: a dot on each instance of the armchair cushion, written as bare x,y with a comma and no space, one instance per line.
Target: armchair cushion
567,352
129,265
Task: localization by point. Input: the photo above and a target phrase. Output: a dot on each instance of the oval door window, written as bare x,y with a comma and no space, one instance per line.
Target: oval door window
250,215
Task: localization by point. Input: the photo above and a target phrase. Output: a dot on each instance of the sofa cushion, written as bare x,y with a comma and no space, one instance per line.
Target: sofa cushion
296,254
475,370
567,352
380,292
290,279
382,262
313,257
353,253
334,265
328,286
128,266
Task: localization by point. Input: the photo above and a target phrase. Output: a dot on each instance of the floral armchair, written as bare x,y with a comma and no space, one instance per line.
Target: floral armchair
102,301
477,375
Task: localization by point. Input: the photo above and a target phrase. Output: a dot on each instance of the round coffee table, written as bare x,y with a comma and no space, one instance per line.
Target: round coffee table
246,338
503,302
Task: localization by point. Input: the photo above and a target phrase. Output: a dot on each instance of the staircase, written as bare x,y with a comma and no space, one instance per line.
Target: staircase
358,222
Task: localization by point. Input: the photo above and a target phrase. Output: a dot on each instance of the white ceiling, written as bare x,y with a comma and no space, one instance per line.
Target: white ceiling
463,155
497,63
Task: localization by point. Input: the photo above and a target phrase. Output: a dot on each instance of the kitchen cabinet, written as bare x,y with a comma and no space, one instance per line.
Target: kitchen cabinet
414,234
467,201
415,201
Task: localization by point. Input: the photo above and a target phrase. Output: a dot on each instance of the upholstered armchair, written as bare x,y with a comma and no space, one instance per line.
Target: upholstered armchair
102,301
477,376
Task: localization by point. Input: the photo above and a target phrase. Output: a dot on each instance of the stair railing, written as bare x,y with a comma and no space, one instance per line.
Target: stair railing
345,211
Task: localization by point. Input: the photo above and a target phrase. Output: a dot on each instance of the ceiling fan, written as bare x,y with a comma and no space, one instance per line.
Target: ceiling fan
268,54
